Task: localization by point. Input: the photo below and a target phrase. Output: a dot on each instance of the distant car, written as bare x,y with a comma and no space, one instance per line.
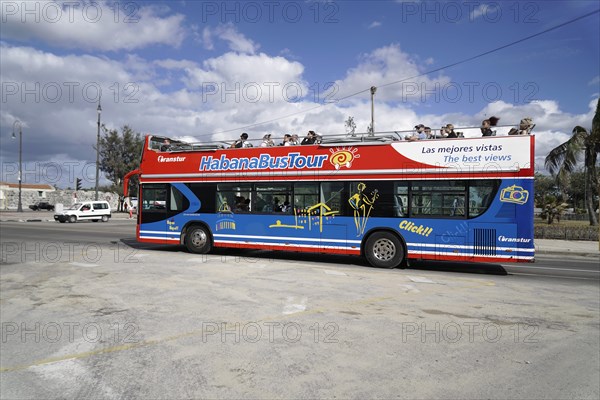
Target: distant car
42,205
89,210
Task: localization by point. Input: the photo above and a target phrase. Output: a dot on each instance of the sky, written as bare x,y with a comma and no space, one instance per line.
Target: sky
210,70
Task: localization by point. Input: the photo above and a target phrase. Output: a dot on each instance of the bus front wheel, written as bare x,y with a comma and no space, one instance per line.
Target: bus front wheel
384,250
197,240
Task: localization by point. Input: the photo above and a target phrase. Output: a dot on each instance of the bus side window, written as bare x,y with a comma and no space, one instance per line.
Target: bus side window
233,197
273,197
401,200
306,195
481,194
332,194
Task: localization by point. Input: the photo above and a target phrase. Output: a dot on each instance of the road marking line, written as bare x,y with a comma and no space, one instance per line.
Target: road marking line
556,269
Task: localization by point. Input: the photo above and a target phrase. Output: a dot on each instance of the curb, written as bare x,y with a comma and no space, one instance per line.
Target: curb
568,253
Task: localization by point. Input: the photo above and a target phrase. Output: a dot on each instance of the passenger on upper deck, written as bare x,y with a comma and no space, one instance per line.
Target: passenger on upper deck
267,141
310,138
286,140
428,133
525,127
449,130
486,125
418,134
241,142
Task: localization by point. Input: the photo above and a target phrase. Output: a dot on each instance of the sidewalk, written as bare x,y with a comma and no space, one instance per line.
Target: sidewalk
43,216
542,246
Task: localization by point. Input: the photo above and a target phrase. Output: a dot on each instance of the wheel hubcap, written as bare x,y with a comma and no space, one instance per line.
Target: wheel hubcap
198,238
384,249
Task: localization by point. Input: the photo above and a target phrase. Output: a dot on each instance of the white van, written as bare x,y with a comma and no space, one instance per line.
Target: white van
87,210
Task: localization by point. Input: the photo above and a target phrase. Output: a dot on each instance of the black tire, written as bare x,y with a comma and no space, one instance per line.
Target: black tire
72,219
105,218
197,240
95,220
384,250
61,221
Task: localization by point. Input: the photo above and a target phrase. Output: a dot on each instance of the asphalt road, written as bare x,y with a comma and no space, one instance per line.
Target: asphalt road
546,266
88,313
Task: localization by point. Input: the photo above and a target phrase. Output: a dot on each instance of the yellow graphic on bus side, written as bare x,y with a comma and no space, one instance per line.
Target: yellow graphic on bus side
362,205
411,227
514,194
343,157
309,216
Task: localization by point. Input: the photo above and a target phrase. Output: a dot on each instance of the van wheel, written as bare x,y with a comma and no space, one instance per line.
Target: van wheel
61,221
104,218
384,250
95,220
72,219
197,240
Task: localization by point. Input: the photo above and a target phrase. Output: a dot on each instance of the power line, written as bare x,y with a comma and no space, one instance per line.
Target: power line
447,66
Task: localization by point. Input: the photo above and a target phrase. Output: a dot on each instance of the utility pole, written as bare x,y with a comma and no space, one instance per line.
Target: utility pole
373,90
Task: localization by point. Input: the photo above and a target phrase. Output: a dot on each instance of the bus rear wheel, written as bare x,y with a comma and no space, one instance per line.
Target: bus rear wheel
197,240
384,250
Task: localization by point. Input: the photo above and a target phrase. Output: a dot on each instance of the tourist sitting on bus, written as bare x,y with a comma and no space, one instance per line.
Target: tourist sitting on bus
310,138
241,142
525,127
449,132
286,140
295,140
286,208
240,204
166,145
485,128
418,134
276,206
267,141
428,133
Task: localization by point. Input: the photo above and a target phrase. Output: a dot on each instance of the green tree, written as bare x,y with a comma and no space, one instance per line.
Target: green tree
562,161
552,208
119,154
544,185
576,189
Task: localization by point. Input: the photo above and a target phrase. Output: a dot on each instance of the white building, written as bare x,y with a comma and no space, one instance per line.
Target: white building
30,193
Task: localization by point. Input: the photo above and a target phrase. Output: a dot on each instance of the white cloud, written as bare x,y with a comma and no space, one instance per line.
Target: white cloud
228,32
594,81
374,24
90,25
386,65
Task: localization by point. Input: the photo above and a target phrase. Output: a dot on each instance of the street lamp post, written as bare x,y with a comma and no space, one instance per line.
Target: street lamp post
17,122
99,110
373,90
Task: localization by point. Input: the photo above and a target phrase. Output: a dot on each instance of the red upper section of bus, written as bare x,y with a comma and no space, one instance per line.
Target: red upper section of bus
503,156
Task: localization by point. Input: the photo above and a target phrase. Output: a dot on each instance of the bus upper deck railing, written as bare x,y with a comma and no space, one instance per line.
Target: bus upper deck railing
157,142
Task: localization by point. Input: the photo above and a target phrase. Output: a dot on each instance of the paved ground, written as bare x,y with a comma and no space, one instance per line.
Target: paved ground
123,323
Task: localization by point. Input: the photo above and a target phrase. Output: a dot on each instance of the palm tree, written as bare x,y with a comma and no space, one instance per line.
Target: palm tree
563,159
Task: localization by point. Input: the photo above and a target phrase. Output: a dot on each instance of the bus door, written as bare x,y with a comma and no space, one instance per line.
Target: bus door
331,207
153,212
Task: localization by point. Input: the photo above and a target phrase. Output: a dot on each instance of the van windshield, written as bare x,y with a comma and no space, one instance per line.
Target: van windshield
74,206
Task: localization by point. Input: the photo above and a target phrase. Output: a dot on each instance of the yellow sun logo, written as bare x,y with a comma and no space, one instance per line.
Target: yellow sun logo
343,157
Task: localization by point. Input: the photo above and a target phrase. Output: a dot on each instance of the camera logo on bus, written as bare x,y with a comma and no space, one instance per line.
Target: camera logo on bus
514,194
